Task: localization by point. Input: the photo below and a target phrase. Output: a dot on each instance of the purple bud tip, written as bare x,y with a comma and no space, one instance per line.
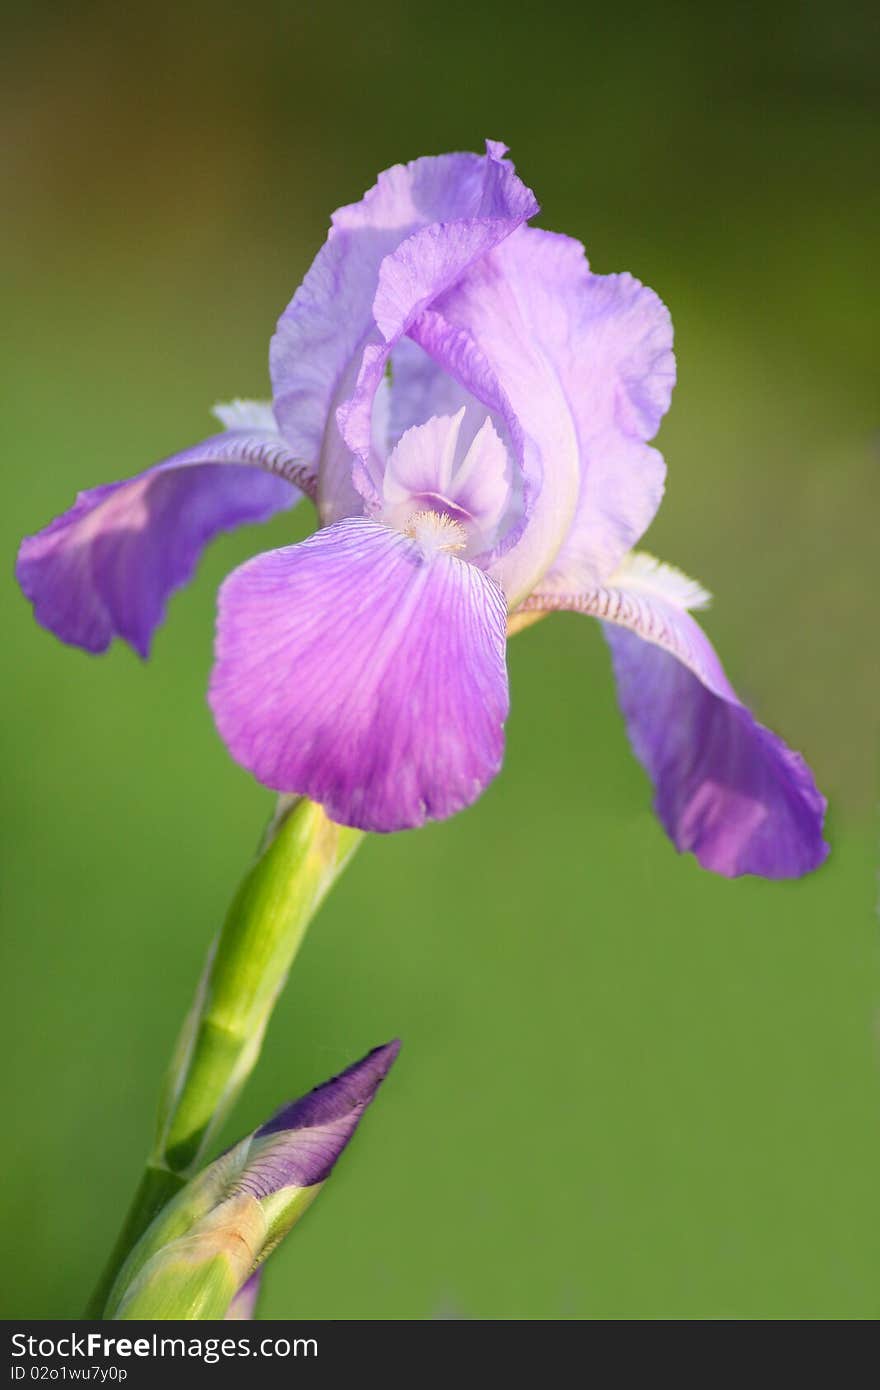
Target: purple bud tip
352,1089
243,1306
311,1133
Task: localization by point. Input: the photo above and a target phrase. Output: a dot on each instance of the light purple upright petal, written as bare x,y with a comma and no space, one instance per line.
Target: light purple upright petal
585,361
421,389
726,788
107,567
482,393
359,670
424,266
433,216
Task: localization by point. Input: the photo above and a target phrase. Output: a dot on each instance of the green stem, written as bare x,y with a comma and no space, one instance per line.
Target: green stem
221,1038
157,1187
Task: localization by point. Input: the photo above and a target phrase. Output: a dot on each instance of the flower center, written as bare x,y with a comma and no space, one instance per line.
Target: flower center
435,531
447,493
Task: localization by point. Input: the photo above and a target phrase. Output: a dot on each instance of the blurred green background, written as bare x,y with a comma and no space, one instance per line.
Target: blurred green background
628,1090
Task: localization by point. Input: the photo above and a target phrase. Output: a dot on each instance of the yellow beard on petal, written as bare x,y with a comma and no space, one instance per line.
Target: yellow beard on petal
434,531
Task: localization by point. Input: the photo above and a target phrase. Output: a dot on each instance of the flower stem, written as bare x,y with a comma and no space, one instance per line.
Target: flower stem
221,1038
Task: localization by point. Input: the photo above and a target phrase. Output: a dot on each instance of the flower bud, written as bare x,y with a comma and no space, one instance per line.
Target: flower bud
199,1256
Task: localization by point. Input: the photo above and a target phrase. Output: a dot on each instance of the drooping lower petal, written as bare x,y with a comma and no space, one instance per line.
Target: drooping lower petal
366,671
107,567
727,789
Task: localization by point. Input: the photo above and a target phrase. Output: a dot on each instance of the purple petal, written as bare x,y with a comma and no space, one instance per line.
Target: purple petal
244,1305
107,567
418,272
299,1146
453,207
482,392
585,362
423,389
361,671
727,789
336,1099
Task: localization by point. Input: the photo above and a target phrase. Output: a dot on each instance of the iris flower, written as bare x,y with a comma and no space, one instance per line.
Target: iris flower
470,407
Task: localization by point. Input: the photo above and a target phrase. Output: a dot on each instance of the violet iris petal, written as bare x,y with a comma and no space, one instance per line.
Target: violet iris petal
586,363
107,567
726,788
358,670
437,214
